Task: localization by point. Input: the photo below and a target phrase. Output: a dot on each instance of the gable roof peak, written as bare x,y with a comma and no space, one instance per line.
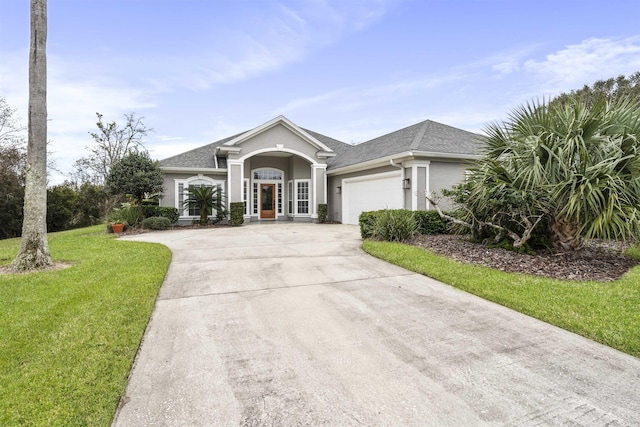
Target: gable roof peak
280,120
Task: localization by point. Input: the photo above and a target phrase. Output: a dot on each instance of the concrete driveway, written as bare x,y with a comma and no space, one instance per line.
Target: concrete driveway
293,324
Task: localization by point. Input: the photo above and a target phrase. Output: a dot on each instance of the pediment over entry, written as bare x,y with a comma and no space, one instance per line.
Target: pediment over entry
260,133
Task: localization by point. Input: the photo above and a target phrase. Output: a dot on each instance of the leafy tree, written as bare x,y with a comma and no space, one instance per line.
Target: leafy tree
12,171
136,175
203,198
605,90
34,248
62,207
92,204
568,170
112,143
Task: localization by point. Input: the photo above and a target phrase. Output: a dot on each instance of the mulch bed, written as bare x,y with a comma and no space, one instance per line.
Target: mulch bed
598,261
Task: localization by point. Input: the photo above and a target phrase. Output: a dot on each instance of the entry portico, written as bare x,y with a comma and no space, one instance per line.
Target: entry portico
277,169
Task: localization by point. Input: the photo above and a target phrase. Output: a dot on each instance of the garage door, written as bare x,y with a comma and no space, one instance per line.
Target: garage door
370,193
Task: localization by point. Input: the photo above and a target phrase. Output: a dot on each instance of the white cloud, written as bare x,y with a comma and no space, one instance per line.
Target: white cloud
507,67
586,62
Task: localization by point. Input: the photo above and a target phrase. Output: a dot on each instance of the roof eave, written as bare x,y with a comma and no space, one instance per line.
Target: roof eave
403,156
177,169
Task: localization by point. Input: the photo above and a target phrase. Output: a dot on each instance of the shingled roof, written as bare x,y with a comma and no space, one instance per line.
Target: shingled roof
201,157
427,136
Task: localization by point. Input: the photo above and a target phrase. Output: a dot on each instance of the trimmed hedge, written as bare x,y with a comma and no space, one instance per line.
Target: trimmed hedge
156,223
171,214
237,213
430,222
367,221
322,212
427,222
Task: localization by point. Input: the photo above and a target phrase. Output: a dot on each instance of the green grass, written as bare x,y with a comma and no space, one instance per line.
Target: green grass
68,337
606,312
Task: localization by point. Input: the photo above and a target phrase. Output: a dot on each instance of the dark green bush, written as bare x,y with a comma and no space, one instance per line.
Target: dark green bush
322,212
171,214
395,225
367,220
430,222
156,223
237,213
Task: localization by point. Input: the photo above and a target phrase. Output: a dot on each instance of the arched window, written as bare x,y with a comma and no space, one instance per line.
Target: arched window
182,193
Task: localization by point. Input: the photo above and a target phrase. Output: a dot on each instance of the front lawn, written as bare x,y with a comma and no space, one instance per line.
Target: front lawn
606,312
68,338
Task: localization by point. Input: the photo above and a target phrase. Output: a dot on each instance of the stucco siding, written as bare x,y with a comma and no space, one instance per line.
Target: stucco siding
334,199
271,137
444,175
301,168
259,162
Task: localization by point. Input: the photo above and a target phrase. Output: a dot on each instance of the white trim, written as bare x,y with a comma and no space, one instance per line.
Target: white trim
280,120
246,185
413,188
174,169
296,200
290,198
406,155
271,149
312,193
427,190
266,181
414,165
185,185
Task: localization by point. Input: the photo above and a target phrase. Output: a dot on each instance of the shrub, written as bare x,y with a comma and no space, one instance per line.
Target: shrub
171,214
367,221
237,213
322,212
221,214
395,225
156,223
430,222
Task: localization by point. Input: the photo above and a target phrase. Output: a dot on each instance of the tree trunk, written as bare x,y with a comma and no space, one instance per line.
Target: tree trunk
565,235
34,249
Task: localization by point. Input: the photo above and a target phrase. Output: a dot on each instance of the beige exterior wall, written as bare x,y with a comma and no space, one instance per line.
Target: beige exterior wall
235,181
444,175
269,139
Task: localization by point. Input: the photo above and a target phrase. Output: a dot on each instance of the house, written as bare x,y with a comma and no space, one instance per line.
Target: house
283,172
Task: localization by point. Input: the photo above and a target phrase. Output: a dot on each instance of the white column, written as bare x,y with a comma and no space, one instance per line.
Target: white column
414,187
427,190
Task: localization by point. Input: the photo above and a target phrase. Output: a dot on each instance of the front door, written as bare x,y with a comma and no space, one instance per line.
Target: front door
267,200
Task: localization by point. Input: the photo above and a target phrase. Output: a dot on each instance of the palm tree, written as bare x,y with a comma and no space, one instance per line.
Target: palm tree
34,249
574,168
203,199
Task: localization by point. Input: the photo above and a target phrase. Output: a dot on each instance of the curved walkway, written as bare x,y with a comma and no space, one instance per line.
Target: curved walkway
292,324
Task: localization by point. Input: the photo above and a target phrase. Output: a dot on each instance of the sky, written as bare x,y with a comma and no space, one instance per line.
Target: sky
201,70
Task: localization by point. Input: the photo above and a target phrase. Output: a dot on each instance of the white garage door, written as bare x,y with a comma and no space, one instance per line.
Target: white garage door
370,193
